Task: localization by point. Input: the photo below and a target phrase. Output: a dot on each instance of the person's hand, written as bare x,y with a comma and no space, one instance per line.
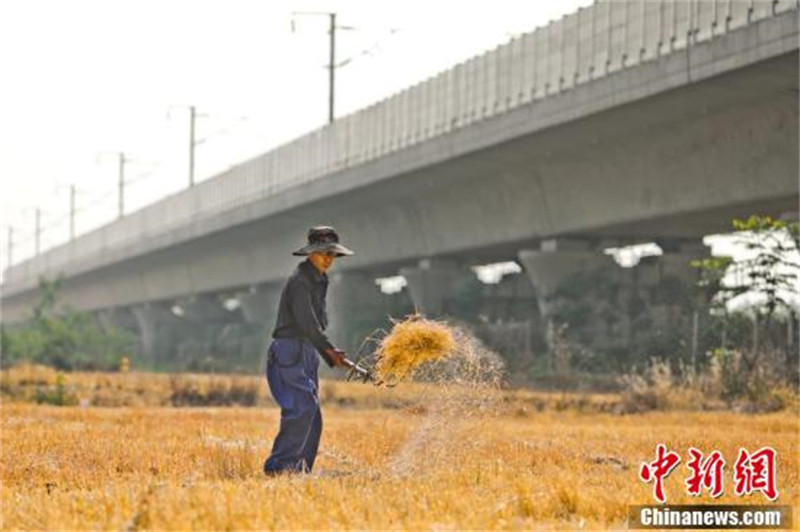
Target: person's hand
336,356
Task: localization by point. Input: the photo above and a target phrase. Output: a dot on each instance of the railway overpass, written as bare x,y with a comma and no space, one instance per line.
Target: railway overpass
623,122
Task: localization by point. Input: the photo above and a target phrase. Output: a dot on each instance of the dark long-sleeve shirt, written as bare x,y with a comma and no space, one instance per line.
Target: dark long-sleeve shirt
301,312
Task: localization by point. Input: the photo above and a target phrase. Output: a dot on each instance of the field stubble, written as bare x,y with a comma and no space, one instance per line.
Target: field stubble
181,468
458,453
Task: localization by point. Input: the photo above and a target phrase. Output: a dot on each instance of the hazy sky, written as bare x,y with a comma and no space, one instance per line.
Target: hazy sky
83,79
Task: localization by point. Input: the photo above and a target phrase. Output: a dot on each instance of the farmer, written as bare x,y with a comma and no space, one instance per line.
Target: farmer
299,337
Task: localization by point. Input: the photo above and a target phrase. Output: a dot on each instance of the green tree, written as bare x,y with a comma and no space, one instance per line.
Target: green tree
63,338
769,272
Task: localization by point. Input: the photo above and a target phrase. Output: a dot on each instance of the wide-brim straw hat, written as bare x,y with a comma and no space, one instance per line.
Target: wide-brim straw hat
323,239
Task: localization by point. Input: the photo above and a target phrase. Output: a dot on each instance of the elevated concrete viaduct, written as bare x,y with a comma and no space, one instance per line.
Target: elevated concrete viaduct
668,146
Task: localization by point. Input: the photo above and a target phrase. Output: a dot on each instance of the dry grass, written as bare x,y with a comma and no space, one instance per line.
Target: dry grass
454,452
411,343
35,383
183,469
138,389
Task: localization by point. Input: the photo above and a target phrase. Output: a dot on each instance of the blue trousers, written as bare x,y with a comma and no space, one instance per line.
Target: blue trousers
292,365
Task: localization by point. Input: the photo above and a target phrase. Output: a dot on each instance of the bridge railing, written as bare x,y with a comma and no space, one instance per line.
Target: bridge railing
580,47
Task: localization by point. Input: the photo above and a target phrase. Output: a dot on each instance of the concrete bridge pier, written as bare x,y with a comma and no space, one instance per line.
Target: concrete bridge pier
259,309
670,272
157,326
677,258
356,307
552,263
658,287
206,308
209,330
259,304
116,317
434,281
513,298
556,260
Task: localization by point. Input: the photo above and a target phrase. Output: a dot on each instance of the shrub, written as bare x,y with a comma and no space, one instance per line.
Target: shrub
187,390
66,340
649,390
57,395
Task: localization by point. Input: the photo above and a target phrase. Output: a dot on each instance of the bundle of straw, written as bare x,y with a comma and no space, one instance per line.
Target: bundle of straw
411,343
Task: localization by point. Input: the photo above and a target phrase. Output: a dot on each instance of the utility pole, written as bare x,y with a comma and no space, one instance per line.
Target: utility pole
38,230
331,54
72,212
331,66
10,246
192,143
121,185
122,161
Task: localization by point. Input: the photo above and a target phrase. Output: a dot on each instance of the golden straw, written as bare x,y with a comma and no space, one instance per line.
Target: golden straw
411,343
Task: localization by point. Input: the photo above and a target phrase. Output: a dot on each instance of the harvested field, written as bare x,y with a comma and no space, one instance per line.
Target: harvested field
568,463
